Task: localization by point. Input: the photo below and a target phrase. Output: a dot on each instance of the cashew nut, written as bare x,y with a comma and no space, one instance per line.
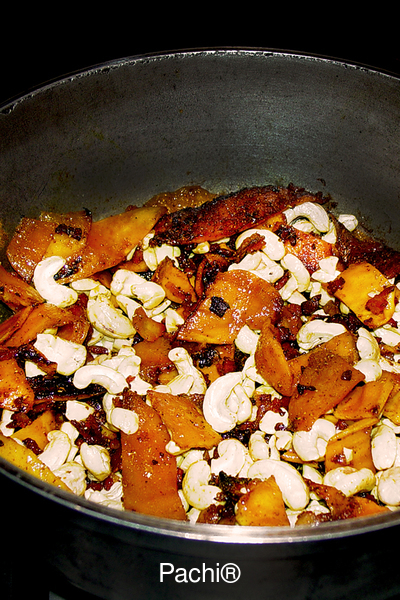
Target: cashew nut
69,356
387,365
172,320
311,445
73,475
311,211
312,474
327,270
258,447
57,450
271,419
367,345
105,316
84,285
128,305
126,362
284,439
119,418
226,402
349,221
189,458
388,487
133,285
260,264
110,379
383,447
316,289
250,375
294,490
349,480
389,335
370,368
78,411
71,432
195,487
44,282
289,289
317,331
293,264
125,420
273,448
96,459
184,365
111,497
152,256
246,340
5,424
232,457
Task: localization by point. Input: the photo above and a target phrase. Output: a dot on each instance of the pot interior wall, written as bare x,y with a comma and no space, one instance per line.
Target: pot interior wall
120,133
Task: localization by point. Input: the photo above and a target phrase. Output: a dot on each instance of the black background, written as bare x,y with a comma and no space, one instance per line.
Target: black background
34,54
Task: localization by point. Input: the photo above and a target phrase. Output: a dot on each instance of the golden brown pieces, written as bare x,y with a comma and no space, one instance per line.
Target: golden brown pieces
184,197
308,247
234,299
262,505
224,216
343,345
184,420
368,293
174,282
351,447
324,382
38,429
367,400
271,362
15,392
25,459
28,245
87,247
354,247
149,472
15,292
343,507
110,239
41,317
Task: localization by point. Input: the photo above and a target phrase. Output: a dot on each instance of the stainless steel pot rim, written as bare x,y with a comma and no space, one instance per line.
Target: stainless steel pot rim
187,53
200,531
178,529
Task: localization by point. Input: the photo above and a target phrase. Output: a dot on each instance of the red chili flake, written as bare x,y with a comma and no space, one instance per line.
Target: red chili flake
32,445
335,285
378,303
308,307
278,285
287,234
108,483
98,350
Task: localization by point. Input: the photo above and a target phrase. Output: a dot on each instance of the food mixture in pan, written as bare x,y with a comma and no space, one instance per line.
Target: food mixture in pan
226,359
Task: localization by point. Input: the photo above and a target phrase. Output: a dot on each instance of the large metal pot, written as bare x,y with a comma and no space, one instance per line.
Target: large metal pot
121,132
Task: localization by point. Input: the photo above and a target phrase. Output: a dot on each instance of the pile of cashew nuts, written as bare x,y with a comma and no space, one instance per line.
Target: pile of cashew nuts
228,400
